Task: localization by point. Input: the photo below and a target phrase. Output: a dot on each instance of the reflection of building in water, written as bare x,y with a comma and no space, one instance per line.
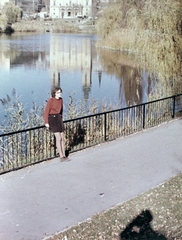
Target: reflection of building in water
4,58
4,62
72,54
98,67
70,8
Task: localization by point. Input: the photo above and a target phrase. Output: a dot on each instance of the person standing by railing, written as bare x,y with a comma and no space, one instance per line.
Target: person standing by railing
53,120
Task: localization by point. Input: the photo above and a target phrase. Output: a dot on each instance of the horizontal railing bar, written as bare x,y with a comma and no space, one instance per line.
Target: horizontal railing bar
121,109
23,130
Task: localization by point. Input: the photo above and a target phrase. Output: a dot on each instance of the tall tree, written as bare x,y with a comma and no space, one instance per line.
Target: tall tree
12,12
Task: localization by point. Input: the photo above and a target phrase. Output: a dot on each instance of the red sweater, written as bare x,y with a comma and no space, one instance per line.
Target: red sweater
53,106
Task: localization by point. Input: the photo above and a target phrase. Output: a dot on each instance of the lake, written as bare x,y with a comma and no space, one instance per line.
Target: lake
33,63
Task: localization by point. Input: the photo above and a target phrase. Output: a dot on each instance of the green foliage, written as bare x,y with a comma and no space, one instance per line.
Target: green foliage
15,117
159,20
3,22
110,21
12,12
152,31
82,108
157,35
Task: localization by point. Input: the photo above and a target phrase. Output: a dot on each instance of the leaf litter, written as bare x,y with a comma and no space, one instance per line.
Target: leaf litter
164,201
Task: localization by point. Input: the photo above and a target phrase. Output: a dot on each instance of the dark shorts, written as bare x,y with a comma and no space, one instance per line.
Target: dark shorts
56,123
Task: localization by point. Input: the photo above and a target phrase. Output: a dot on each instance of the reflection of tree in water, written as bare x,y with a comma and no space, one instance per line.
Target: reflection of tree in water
6,49
18,57
130,84
86,91
26,58
29,58
161,79
11,54
169,73
135,83
153,31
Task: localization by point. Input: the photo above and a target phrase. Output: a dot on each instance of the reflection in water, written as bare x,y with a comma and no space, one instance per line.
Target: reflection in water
35,62
135,84
71,54
146,81
25,50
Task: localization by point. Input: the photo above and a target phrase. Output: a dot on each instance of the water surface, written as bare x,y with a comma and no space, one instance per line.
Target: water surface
33,63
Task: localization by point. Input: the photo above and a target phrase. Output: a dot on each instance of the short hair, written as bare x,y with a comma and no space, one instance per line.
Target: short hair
54,90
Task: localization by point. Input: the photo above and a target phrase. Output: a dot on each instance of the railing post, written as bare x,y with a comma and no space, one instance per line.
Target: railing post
105,122
144,115
54,146
174,103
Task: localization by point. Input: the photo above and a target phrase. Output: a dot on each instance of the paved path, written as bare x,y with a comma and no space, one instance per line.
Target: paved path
51,196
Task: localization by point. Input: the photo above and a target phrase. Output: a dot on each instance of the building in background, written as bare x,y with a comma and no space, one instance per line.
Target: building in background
61,8
27,6
70,8
31,6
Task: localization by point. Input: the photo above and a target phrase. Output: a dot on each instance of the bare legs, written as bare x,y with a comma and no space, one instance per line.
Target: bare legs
60,143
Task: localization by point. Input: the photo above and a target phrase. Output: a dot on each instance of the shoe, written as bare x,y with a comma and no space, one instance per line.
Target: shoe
65,159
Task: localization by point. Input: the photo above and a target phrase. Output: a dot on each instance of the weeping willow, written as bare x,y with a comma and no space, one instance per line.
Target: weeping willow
151,30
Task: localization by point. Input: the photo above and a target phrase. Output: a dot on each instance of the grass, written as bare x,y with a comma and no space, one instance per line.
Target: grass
42,26
164,201
58,26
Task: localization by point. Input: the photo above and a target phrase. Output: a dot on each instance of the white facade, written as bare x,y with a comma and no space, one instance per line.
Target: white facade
42,14
70,8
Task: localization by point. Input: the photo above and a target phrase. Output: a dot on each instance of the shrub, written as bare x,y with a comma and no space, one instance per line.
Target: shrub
15,114
110,20
12,12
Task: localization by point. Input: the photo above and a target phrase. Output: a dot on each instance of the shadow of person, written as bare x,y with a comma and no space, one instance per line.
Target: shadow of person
139,229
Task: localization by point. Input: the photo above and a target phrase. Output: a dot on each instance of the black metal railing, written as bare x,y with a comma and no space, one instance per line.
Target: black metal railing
29,146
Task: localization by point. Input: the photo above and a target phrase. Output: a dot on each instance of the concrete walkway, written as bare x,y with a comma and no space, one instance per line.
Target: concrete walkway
46,198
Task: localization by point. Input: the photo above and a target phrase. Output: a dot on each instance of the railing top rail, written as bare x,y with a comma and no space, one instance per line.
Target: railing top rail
93,115
119,109
23,130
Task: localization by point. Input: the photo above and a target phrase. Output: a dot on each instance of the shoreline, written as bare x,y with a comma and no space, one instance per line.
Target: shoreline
58,26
